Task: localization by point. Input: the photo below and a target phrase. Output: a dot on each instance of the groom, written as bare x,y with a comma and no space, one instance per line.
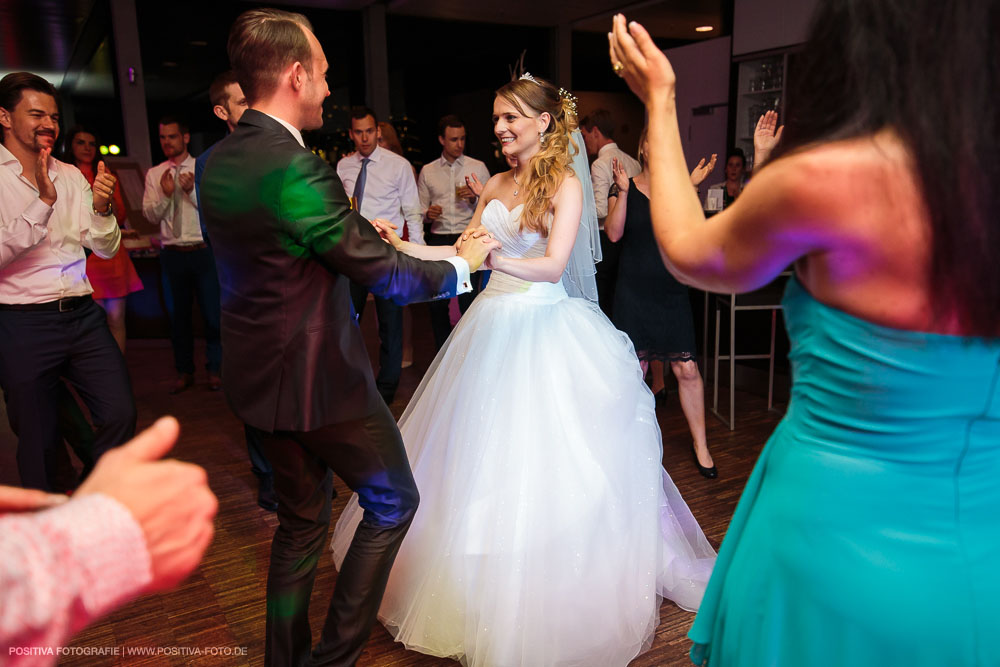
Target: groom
287,246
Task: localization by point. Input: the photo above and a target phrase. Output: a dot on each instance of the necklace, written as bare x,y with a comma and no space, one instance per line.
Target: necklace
516,184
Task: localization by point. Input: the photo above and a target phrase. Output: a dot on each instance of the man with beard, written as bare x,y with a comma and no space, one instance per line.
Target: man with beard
50,326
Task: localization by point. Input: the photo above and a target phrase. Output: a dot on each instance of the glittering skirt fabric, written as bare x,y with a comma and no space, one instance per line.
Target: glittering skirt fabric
547,530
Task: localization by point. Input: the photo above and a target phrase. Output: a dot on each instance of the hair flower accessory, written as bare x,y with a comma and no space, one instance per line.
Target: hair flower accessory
569,100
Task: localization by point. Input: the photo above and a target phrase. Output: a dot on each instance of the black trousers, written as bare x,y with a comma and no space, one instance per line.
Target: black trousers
37,348
440,319
390,335
607,275
368,455
186,274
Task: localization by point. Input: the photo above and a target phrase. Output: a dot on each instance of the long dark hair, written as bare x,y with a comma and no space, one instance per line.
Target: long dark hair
930,70
67,151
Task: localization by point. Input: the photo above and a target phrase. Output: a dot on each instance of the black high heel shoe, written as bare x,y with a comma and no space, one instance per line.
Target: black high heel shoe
660,397
710,473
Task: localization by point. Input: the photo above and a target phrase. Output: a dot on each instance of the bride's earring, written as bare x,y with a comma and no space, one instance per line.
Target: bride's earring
541,137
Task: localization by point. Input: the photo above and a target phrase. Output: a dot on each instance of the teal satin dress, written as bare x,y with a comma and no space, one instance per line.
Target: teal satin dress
869,530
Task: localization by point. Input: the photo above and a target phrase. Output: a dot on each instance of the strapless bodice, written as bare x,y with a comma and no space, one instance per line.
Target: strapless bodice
505,226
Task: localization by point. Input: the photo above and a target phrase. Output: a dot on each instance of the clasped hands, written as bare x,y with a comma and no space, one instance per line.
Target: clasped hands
474,246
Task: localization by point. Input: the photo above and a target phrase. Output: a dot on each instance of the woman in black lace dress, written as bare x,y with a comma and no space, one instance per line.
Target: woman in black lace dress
650,305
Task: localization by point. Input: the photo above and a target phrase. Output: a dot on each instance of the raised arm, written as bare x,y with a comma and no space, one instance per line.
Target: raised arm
614,224
765,138
742,248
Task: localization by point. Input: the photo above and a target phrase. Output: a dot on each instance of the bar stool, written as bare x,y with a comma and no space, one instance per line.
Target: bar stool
765,298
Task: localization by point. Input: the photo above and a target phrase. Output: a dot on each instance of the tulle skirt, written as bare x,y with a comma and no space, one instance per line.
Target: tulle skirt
547,530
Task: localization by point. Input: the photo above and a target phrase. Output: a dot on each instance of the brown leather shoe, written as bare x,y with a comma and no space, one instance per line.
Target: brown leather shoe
183,381
214,382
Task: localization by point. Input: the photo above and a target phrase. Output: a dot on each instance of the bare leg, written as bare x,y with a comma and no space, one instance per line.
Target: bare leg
115,308
656,367
692,394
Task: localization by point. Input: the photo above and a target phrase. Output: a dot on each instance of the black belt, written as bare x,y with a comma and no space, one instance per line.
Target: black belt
63,305
186,247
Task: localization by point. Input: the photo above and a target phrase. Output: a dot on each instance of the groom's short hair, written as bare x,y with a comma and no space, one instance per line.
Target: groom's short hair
262,43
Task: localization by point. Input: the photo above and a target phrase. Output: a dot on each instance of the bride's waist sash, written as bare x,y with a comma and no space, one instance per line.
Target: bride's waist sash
505,284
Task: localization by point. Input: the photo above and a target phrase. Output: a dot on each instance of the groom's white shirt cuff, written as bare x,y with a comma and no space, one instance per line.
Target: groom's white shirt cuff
463,283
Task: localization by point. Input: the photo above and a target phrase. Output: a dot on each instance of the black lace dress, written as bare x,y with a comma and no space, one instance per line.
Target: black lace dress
650,305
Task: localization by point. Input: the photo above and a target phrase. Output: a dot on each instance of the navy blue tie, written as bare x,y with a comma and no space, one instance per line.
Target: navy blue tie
359,186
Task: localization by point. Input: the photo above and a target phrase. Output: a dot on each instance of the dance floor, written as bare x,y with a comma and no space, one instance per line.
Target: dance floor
217,616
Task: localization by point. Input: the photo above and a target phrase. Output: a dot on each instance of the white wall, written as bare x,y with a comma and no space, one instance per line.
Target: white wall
703,80
759,25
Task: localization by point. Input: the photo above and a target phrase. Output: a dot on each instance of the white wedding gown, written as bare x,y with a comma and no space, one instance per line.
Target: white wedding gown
547,528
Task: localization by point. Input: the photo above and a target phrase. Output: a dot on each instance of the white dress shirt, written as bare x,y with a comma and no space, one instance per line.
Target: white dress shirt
41,246
163,210
602,175
436,186
390,191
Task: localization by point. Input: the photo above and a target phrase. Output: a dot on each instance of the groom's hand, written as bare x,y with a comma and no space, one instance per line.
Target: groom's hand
475,249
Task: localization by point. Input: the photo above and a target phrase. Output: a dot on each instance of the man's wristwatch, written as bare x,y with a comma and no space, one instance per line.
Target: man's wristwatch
105,213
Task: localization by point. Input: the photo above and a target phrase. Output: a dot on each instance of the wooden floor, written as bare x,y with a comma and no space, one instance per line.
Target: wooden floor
219,610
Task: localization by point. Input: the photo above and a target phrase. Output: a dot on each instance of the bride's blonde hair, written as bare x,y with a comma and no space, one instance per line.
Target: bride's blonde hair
551,163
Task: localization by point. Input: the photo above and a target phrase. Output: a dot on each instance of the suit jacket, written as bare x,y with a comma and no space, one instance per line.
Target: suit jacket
286,244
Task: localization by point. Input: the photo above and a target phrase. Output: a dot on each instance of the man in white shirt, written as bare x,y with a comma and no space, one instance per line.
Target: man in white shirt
50,327
448,204
186,261
381,185
597,129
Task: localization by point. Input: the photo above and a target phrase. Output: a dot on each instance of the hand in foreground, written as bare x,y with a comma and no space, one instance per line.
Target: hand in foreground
170,500
46,190
765,137
475,187
621,176
475,246
637,59
387,231
104,186
702,170
14,499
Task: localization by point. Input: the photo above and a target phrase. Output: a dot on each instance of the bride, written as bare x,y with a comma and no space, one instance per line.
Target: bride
548,530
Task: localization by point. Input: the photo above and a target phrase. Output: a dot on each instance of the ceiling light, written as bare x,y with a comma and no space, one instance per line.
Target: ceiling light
704,28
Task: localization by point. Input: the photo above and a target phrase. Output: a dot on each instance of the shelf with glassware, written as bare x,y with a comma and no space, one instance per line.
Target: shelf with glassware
760,88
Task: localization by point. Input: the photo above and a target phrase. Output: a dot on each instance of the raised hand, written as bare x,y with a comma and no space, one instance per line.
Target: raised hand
702,170
765,137
186,180
46,190
167,182
104,187
169,500
620,175
474,185
637,59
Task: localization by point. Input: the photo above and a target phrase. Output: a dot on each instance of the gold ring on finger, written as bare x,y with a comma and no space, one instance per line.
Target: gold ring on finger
618,67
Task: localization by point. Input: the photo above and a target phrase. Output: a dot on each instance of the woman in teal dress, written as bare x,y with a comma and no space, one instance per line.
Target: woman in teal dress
869,530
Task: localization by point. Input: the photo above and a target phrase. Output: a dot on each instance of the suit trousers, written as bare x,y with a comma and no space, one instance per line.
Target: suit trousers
390,335
187,273
607,275
440,318
368,455
40,347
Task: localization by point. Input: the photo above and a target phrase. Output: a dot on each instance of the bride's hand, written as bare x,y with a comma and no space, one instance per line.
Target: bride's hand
637,59
387,231
492,260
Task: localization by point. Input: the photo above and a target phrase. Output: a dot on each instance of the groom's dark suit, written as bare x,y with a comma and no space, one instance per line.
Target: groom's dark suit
287,246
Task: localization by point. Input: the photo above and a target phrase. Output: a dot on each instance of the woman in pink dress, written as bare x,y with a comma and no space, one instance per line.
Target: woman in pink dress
112,279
